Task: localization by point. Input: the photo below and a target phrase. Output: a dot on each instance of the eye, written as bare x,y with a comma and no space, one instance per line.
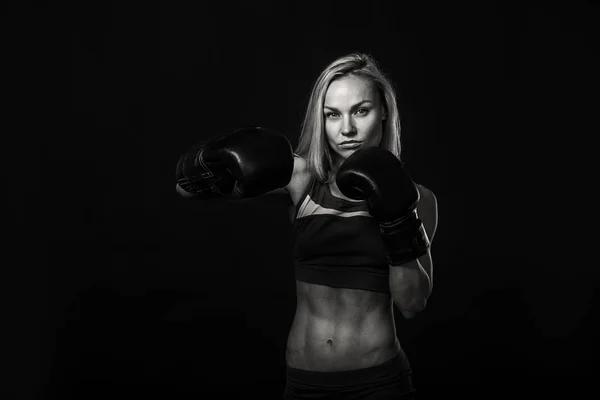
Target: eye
331,114
362,111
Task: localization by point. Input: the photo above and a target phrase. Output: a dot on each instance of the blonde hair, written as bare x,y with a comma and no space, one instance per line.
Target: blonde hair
312,144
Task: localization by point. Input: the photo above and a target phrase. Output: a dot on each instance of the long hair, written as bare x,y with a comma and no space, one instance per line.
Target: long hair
312,144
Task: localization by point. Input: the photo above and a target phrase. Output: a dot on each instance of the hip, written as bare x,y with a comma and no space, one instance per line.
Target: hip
389,379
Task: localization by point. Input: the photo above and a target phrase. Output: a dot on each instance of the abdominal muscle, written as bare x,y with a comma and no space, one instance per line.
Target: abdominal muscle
341,329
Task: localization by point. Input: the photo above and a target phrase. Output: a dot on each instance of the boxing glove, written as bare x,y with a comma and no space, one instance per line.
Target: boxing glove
246,163
377,176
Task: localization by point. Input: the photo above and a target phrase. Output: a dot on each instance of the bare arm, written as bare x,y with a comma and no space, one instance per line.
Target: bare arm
411,283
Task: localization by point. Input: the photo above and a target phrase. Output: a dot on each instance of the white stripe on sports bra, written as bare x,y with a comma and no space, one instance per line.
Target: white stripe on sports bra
309,207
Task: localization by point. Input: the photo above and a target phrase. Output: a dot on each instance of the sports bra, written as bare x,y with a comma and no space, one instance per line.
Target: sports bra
337,243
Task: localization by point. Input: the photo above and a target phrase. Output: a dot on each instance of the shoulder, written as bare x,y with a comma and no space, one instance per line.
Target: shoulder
300,178
427,197
300,165
428,210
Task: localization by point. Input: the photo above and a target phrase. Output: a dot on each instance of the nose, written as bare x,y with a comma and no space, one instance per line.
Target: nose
348,127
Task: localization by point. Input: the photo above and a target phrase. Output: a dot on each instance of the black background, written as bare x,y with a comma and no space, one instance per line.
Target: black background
114,284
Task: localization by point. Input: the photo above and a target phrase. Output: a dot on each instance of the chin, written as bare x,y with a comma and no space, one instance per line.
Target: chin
345,153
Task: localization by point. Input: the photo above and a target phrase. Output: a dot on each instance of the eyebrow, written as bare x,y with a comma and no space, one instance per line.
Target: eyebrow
353,107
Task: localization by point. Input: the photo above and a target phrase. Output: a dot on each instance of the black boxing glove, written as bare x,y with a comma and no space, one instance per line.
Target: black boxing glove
249,161
377,176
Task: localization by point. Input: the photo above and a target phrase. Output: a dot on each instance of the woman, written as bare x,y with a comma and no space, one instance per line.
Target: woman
362,229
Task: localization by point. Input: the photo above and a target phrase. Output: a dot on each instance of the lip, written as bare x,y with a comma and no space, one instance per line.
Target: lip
350,144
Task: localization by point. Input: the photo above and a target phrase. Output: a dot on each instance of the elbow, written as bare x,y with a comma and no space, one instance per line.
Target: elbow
410,309
417,307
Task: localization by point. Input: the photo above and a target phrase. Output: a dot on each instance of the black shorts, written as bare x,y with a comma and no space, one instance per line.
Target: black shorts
390,380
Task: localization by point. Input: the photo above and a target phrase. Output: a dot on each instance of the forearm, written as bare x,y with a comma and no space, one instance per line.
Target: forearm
411,285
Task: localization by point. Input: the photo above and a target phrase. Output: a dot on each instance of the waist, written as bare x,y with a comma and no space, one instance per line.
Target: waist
339,329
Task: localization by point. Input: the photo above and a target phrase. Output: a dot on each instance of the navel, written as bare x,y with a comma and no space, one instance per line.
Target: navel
330,342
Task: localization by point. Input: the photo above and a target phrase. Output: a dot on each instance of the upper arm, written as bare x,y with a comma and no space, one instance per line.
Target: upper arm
427,210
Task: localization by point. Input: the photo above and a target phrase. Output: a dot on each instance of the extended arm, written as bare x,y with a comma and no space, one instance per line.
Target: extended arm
246,163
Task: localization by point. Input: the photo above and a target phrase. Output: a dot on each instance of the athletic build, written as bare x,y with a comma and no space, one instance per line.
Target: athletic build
362,229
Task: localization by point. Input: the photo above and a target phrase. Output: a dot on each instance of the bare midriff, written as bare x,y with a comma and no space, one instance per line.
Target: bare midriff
341,329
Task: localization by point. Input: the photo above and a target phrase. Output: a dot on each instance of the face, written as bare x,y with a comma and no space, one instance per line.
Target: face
353,113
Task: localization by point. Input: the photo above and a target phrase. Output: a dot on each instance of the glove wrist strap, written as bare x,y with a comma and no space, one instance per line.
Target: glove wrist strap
405,239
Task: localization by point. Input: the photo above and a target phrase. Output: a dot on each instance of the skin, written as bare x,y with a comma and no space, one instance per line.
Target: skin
343,329
353,111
